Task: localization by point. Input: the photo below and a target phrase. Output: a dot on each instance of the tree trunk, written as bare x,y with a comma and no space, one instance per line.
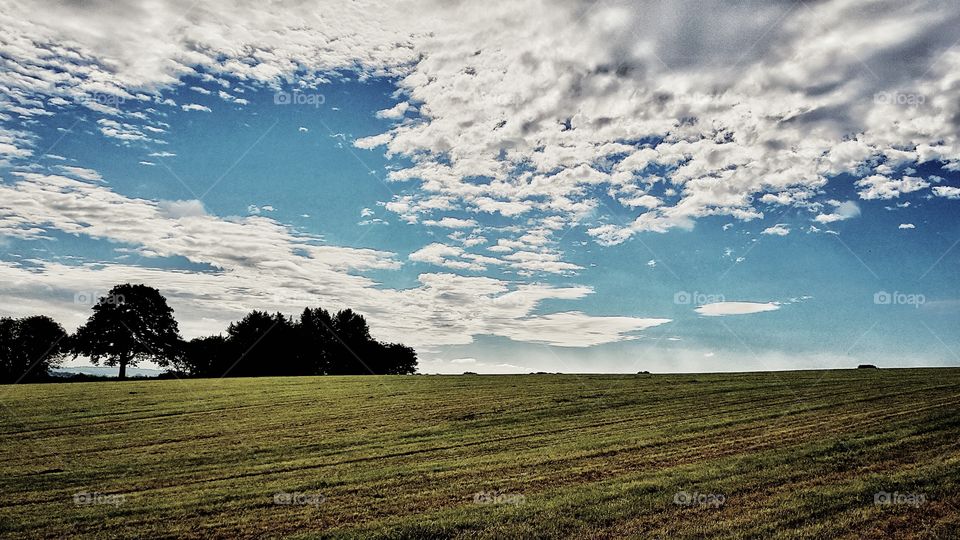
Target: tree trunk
123,369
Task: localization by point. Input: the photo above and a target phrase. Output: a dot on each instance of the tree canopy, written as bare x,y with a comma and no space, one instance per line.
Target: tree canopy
30,347
318,343
131,323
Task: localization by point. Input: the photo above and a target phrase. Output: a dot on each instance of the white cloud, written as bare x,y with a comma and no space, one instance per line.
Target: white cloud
842,211
81,173
906,226
575,329
195,107
777,230
451,257
452,223
396,112
181,209
717,309
740,119
122,131
255,210
730,122
881,187
256,262
948,192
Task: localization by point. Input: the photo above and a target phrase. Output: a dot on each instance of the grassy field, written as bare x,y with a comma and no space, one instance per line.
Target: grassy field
761,455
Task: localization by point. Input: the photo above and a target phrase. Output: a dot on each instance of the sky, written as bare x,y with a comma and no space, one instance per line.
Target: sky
508,187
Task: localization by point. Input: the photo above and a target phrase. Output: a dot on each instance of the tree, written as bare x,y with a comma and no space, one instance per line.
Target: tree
315,341
130,324
205,356
351,348
261,345
30,347
398,359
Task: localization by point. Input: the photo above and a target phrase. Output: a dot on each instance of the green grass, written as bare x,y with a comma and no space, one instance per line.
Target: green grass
794,455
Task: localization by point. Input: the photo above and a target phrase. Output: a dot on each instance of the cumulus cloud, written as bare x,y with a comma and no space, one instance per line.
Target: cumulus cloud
948,192
195,107
394,113
881,187
907,226
452,223
181,209
777,230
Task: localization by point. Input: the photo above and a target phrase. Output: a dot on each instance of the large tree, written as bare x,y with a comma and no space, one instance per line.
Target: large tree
131,323
29,347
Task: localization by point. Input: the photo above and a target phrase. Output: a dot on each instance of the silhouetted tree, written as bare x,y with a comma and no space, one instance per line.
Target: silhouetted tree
130,324
30,347
205,356
315,341
352,349
398,359
262,345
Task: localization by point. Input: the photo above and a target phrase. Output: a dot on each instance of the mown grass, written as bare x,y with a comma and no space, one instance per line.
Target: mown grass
793,455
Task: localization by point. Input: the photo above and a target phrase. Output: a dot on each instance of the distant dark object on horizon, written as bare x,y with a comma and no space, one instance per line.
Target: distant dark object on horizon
469,373
643,373
867,366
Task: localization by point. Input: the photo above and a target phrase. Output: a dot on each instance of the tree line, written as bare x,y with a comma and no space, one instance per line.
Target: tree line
133,323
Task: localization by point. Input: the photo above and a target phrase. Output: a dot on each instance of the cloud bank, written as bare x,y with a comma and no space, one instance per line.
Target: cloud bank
545,114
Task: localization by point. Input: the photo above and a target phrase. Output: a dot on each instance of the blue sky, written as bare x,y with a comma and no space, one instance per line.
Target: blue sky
614,203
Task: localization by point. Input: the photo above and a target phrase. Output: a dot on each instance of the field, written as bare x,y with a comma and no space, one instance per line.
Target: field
751,455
